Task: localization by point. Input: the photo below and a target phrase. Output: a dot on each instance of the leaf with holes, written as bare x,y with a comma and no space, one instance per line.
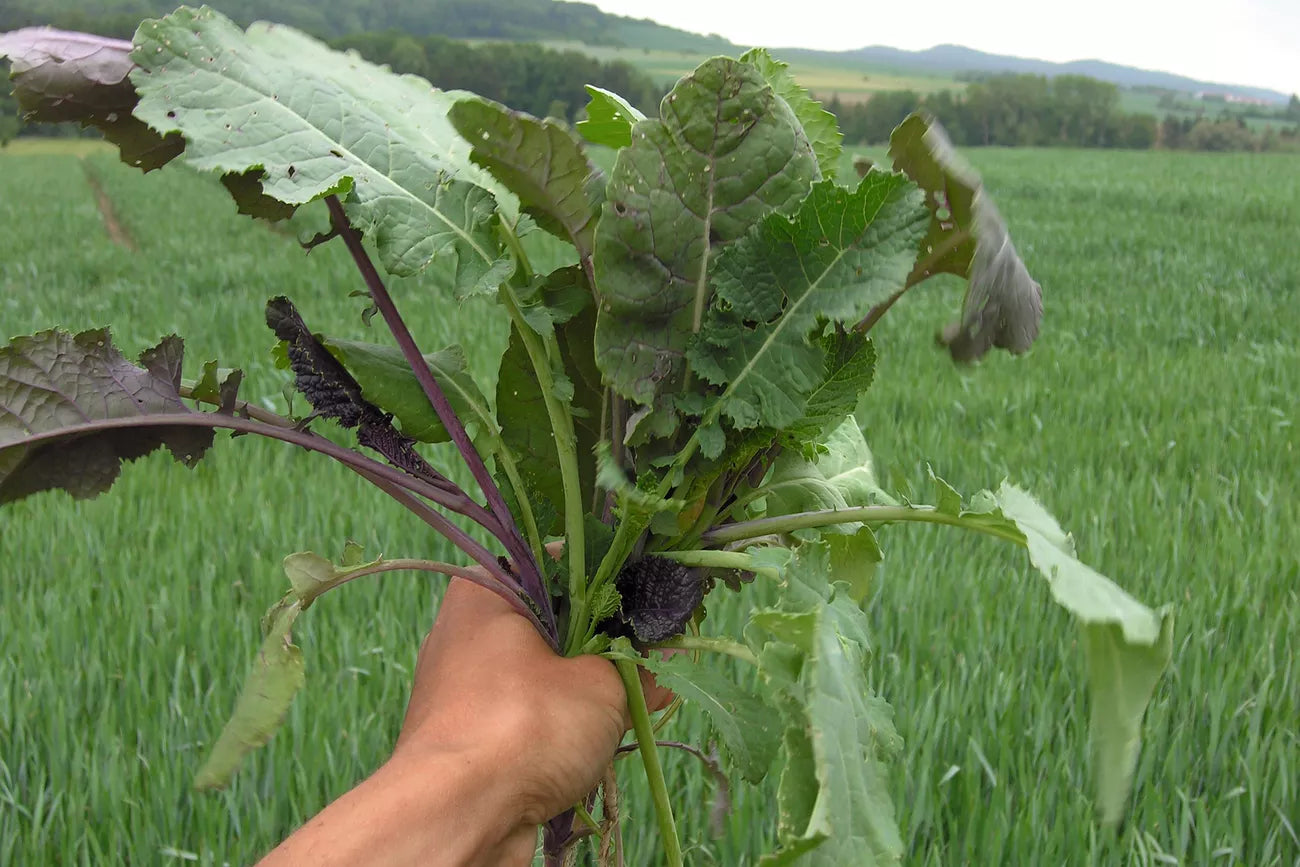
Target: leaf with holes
726,152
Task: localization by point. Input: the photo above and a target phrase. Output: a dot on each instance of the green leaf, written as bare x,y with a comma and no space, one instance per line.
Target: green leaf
749,727
275,678
61,393
843,252
540,162
818,124
849,371
726,151
310,574
388,382
853,561
946,498
609,118
833,801
967,237
840,478
219,386
525,426
1128,645
59,76
317,122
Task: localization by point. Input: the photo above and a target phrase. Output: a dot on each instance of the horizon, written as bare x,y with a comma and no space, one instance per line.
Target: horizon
1253,48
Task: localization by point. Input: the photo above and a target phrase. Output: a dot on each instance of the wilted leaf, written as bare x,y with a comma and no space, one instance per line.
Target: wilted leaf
726,152
60,76
968,237
609,118
275,678
59,395
1128,645
842,252
822,129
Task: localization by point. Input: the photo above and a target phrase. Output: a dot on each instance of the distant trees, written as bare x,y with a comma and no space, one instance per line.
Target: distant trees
1293,108
1036,111
524,76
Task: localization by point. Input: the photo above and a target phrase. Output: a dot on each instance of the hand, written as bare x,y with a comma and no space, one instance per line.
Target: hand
486,682
500,735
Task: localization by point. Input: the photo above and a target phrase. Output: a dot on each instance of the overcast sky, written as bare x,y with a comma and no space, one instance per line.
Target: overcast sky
1255,42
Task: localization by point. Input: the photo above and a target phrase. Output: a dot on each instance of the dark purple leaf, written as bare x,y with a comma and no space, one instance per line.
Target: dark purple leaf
55,380
658,598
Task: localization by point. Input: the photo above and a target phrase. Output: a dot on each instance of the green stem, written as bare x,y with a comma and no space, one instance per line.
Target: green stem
584,816
725,646
865,514
711,559
624,541
645,736
393,566
540,350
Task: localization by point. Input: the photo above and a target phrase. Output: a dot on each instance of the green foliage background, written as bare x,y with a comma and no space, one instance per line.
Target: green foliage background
1156,417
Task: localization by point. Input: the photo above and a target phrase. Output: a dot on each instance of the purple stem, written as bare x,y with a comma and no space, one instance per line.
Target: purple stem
505,530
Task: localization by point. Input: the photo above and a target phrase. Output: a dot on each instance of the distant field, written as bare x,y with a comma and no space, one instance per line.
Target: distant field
1185,107
1157,417
851,84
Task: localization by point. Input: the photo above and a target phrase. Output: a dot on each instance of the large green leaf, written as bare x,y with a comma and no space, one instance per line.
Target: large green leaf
60,76
726,152
609,120
833,801
822,129
968,237
275,678
55,382
317,122
540,162
843,252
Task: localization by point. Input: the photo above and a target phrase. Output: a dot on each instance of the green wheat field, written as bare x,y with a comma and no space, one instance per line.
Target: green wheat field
1156,417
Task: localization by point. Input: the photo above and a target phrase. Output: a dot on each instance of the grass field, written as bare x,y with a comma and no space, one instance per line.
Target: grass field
1156,417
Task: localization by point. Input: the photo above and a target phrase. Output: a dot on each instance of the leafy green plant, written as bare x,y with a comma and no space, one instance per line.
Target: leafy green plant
675,402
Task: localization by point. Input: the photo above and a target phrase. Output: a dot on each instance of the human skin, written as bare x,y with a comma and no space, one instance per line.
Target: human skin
500,735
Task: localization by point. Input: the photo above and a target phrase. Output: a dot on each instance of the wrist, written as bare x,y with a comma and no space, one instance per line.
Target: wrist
468,810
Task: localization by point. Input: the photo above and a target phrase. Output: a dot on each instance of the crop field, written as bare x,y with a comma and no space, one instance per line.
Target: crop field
1156,417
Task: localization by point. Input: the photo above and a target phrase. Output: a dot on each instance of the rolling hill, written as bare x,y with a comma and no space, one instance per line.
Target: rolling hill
642,42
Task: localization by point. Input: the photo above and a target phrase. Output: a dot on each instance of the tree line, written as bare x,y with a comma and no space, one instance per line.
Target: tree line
470,19
544,82
1064,111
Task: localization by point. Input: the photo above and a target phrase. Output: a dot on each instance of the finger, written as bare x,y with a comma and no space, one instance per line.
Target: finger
656,697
